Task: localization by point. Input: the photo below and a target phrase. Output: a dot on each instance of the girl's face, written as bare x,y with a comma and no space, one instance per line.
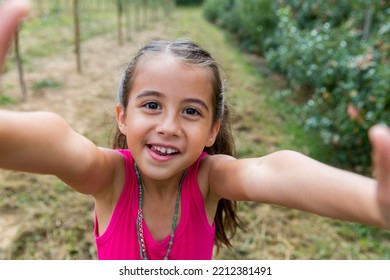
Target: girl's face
169,117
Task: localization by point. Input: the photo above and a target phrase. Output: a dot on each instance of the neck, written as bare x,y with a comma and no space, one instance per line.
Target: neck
161,188
162,216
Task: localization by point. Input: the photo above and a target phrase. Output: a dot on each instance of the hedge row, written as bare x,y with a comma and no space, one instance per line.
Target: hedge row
189,2
336,51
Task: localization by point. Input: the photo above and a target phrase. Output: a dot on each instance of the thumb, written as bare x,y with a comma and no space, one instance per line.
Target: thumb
11,12
380,139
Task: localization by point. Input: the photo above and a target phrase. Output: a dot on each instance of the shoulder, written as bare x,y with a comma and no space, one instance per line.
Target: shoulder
251,178
208,169
115,162
211,162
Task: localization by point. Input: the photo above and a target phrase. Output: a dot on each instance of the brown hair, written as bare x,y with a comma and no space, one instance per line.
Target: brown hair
189,52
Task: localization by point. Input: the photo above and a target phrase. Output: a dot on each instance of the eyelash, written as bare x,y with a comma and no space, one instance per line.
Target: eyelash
194,112
149,104
155,106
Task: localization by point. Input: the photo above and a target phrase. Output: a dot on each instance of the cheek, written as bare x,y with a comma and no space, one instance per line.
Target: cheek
137,125
199,134
136,131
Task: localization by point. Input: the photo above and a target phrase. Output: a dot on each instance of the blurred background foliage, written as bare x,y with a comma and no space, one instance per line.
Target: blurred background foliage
188,2
334,56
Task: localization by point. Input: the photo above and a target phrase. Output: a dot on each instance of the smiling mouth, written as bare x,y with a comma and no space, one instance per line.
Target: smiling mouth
163,151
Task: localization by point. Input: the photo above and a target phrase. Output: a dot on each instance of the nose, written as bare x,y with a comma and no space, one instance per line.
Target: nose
169,125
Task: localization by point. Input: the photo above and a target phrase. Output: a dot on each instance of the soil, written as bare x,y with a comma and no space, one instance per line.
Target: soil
41,218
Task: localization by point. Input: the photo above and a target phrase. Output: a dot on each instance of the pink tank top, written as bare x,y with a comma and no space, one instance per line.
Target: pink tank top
194,236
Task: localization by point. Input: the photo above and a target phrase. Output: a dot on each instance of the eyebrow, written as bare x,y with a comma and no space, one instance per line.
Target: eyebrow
148,93
197,101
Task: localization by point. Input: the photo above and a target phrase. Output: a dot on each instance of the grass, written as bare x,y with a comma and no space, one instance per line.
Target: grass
95,19
60,25
6,100
46,83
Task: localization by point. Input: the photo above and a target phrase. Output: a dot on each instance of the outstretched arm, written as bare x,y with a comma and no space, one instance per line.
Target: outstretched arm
43,142
293,180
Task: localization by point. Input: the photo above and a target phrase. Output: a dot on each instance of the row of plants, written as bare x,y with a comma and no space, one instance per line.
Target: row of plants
56,26
189,2
335,53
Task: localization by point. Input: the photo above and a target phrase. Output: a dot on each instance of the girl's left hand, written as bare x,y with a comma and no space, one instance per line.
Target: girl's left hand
11,12
380,139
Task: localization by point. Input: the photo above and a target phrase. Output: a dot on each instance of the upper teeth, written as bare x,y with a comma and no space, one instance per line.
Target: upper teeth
164,150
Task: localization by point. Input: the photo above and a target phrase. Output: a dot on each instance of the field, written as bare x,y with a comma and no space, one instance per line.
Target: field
41,218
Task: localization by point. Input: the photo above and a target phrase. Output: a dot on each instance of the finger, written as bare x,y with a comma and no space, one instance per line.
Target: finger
380,139
11,12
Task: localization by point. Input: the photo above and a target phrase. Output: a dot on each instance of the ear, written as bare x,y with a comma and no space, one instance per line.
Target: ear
121,118
213,134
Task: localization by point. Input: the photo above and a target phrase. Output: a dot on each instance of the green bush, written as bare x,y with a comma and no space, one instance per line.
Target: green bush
189,2
219,11
252,22
328,51
212,9
6,100
258,23
348,79
309,13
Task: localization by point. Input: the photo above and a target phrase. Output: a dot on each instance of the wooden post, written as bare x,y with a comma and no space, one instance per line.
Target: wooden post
77,34
145,15
128,20
120,25
23,91
137,11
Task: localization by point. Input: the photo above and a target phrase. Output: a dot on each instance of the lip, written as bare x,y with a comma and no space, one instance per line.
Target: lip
155,155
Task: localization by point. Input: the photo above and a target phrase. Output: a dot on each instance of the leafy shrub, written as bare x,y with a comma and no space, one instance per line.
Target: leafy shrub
46,83
347,77
309,13
336,52
211,9
258,23
219,11
252,22
189,2
6,100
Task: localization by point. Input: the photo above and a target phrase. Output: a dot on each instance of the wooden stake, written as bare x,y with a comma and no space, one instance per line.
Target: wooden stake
77,34
22,84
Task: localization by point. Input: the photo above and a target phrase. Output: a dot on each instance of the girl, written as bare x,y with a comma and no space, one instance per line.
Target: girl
166,189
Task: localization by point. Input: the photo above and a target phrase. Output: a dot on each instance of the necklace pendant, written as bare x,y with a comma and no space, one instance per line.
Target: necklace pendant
140,217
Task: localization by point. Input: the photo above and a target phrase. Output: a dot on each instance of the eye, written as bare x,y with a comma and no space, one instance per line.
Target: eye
152,105
192,112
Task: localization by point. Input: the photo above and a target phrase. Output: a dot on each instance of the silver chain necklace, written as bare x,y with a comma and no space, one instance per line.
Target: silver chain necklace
140,217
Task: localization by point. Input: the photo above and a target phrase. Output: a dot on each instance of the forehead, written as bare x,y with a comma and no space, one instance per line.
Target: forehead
164,64
167,73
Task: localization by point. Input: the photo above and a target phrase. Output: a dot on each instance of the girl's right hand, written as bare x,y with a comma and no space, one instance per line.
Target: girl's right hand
380,139
11,12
